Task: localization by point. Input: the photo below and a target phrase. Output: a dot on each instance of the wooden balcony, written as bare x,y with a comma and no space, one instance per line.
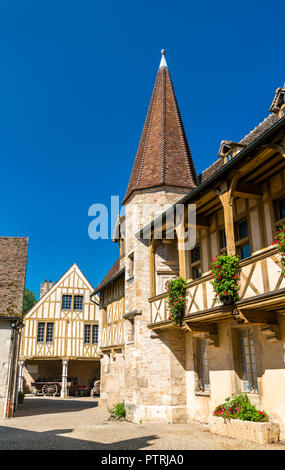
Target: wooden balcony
260,275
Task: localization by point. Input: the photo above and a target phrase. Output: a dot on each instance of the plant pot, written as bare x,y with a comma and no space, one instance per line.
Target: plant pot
260,433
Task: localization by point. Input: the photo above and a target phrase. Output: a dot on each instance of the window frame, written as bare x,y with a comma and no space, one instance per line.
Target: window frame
277,216
244,241
45,332
91,333
196,264
202,371
72,308
252,376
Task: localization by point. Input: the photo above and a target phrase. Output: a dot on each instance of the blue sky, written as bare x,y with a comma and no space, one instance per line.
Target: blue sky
75,83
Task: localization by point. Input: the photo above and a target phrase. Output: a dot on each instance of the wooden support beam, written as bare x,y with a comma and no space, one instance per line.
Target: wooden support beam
279,148
151,258
226,196
248,191
257,316
181,250
201,222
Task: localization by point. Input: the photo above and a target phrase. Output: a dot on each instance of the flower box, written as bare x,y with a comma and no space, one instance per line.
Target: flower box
258,432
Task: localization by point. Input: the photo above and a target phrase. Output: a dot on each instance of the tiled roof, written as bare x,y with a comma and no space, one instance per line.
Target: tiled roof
245,141
163,157
258,130
111,274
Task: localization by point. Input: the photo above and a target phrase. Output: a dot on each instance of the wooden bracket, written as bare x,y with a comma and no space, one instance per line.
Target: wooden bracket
206,330
271,333
212,339
279,148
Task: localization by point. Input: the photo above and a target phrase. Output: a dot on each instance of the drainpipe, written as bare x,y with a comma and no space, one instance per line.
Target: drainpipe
10,382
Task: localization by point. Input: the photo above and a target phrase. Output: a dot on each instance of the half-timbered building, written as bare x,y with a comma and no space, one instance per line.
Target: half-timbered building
61,335
171,373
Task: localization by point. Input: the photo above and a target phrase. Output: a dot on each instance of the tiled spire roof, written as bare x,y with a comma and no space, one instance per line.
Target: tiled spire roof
163,156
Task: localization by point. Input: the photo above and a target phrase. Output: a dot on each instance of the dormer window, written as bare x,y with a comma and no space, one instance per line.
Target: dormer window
278,103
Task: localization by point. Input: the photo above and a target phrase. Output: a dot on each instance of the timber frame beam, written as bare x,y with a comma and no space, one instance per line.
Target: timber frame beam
225,193
151,257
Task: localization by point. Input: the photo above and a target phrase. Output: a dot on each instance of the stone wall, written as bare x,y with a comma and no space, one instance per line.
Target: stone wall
112,383
13,259
155,367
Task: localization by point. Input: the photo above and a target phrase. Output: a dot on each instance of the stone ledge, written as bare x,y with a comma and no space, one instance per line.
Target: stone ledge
168,414
260,433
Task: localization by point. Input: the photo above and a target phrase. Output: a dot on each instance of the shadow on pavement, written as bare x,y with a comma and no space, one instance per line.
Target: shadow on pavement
20,439
38,406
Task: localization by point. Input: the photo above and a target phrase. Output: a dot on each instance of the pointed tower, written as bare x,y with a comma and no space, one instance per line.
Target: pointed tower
163,157
163,172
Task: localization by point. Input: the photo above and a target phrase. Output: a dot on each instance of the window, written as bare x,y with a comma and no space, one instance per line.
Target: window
196,269
242,240
131,265
45,332
279,208
78,302
95,330
223,241
41,332
248,360
66,302
87,334
203,366
49,337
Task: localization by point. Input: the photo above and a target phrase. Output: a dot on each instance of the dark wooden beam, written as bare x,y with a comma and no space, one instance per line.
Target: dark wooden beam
248,191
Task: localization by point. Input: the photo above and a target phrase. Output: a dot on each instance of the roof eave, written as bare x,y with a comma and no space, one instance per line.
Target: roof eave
226,167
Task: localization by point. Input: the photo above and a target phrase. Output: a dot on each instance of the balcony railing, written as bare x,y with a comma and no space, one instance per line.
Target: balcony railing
261,273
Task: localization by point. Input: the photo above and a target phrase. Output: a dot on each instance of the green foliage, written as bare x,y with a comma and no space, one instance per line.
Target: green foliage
118,410
176,290
226,272
29,301
279,241
239,407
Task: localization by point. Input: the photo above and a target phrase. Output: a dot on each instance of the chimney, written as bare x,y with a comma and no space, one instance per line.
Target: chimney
45,286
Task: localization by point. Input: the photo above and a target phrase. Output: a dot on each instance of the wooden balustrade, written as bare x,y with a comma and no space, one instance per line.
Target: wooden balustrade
260,274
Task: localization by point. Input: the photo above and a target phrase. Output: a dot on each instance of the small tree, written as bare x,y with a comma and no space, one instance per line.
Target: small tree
29,301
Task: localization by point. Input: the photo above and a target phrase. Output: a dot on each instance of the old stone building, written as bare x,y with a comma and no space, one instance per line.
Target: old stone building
61,336
13,260
169,373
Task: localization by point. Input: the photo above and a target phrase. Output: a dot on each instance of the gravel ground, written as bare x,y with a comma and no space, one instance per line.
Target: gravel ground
78,423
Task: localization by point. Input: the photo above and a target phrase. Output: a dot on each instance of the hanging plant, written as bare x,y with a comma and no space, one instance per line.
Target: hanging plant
279,241
226,272
176,290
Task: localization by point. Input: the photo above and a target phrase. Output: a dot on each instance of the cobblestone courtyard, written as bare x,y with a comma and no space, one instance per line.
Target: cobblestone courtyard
53,423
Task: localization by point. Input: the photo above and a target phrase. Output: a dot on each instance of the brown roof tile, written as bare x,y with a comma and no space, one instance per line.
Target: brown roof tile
111,274
163,156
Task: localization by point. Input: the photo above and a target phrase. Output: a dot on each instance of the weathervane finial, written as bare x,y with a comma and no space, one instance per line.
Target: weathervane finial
163,61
